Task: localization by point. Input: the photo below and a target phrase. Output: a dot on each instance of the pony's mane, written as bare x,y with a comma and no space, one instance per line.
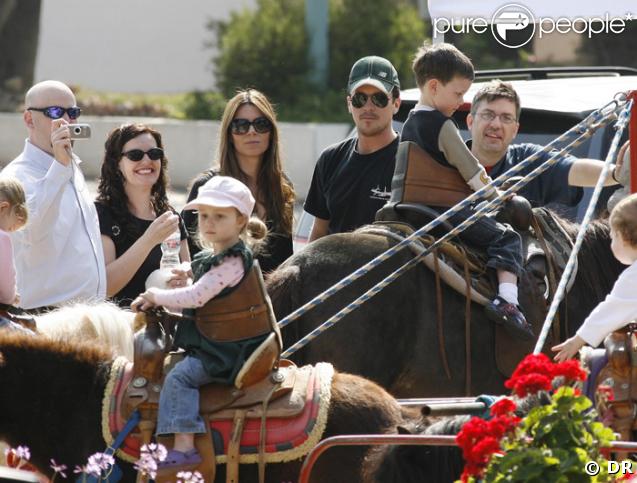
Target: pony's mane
35,346
98,321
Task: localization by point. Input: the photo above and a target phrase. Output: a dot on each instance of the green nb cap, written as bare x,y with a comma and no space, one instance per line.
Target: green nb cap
375,71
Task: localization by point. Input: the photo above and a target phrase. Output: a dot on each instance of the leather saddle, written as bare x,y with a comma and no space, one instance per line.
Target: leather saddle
18,316
263,379
619,377
420,182
262,382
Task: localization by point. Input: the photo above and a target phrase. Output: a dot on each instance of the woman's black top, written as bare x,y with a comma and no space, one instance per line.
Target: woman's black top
110,227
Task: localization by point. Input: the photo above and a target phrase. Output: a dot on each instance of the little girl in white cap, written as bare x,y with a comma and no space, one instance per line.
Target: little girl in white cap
224,207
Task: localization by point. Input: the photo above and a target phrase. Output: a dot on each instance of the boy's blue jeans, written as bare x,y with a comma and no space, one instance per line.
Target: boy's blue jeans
502,243
179,398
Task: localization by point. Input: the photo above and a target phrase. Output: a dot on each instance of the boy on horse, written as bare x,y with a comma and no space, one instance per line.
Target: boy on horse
444,75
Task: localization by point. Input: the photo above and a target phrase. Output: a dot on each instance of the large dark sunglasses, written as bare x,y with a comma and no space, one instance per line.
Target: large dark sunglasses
242,126
137,154
56,112
379,99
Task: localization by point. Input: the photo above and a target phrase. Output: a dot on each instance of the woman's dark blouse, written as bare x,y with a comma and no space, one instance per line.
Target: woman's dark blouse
110,227
277,248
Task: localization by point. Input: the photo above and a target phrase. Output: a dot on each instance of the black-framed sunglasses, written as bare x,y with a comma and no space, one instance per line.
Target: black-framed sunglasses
379,99
56,112
242,126
137,154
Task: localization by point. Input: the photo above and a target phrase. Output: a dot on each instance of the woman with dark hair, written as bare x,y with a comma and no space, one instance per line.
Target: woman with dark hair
249,150
134,214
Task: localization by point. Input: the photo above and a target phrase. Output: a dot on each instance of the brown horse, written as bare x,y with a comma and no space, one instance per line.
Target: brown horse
393,338
52,403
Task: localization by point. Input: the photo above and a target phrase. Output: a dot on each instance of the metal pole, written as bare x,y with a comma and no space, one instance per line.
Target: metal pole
399,439
566,275
482,210
317,27
593,121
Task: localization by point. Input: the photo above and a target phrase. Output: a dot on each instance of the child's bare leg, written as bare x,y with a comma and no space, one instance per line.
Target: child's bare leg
184,442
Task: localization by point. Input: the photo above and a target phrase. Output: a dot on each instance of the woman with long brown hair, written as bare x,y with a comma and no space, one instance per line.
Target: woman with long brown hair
134,213
249,150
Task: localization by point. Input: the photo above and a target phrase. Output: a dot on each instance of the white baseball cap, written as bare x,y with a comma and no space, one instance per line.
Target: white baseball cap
224,192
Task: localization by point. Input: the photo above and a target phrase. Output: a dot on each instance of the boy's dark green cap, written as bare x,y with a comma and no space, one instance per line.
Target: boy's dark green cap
375,71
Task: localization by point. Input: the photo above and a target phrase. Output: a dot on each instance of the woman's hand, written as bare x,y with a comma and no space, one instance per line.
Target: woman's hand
144,301
568,349
161,227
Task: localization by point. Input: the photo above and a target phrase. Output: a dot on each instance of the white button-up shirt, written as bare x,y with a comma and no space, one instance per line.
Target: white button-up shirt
617,310
58,255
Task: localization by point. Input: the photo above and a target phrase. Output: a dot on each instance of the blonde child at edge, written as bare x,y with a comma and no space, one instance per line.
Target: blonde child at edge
620,306
224,206
13,216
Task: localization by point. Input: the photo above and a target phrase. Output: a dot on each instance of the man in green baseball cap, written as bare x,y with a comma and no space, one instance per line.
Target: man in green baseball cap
374,71
352,179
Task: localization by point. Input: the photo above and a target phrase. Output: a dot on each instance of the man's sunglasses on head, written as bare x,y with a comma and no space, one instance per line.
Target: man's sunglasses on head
379,99
137,154
242,126
56,112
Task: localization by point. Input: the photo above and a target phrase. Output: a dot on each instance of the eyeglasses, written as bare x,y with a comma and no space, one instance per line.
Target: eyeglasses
242,126
379,99
490,116
137,154
56,112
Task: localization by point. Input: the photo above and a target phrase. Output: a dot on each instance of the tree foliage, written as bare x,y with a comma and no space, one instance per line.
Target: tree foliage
19,31
390,29
263,48
267,47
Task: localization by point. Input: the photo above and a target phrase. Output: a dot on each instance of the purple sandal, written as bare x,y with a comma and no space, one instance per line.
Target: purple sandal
178,459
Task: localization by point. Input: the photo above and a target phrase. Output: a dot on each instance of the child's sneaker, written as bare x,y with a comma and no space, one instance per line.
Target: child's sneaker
179,460
508,315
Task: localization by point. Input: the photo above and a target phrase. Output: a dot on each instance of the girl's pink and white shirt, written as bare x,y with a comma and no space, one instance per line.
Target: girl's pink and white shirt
7,270
228,274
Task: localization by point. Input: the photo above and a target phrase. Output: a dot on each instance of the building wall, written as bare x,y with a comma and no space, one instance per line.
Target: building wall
190,145
150,46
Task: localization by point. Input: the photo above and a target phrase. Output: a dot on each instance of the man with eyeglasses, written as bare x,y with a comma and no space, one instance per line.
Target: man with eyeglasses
494,122
58,255
352,179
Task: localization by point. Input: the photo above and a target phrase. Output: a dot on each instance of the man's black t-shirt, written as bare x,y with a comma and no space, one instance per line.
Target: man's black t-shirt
348,188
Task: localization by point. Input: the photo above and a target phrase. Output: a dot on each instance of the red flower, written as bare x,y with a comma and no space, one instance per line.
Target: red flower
482,451
479,439
502,425
530,384
570,370
503,406
533,364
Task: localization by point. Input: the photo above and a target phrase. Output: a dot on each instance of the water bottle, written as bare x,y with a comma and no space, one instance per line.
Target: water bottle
170,251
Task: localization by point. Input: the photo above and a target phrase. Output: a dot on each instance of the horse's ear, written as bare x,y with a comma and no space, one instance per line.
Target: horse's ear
403,430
